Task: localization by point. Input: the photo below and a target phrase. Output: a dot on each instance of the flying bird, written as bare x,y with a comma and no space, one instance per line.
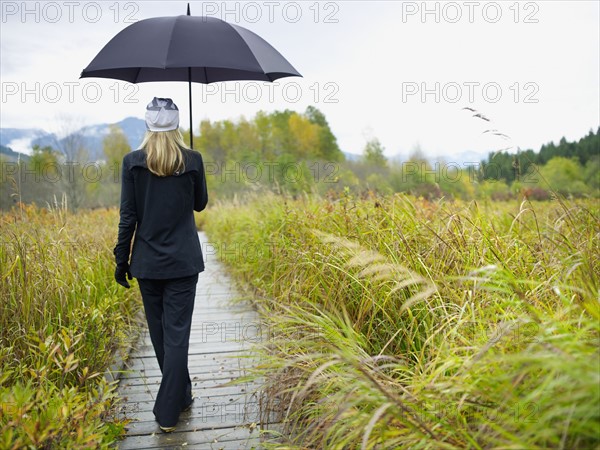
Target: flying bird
481,116
497,133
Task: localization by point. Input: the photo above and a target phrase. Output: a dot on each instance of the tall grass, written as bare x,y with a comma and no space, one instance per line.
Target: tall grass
63,320
400,323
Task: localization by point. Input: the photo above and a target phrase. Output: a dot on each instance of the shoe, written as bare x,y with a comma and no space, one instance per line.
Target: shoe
189,406
167,429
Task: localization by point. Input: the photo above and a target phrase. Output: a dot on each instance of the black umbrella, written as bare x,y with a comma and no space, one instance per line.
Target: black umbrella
188,48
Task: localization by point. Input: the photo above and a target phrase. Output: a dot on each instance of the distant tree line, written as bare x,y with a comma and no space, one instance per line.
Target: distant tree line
569,168
291,152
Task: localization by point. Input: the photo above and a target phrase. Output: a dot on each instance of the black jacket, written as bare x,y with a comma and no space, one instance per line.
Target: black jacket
160,212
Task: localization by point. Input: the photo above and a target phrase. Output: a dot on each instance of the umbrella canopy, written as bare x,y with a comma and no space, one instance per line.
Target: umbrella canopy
188,48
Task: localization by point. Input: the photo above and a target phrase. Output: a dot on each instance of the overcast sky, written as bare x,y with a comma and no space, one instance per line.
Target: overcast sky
400,71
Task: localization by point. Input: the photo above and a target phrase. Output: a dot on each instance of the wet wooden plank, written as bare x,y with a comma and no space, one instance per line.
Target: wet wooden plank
153,378
218,438
133,398
197,365
226,412
222,396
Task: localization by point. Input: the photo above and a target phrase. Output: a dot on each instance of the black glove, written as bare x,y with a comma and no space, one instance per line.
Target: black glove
121,271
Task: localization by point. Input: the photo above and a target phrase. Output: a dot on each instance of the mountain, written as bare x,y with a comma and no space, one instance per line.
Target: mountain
8,154
352,156
23,139
465,158
20,139
93,135
462,159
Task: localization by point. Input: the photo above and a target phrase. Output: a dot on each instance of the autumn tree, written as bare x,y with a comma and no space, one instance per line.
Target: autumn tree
327,141
74,156
115,146
564,175
373,153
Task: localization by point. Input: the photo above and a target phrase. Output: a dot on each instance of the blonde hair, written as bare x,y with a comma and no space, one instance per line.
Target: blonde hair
163,152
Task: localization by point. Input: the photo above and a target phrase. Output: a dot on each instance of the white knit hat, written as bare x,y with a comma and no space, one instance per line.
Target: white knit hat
162,115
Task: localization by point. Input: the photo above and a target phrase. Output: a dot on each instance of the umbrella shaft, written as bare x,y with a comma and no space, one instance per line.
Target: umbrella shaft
190,96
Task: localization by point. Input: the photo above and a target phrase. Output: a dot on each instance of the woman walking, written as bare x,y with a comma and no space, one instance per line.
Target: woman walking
162,184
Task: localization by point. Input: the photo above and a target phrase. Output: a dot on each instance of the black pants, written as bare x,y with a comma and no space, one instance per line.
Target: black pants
169,305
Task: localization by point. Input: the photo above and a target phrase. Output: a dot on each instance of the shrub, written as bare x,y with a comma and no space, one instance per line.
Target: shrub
62,322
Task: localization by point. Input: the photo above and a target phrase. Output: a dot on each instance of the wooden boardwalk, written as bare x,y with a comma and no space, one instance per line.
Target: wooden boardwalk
222,416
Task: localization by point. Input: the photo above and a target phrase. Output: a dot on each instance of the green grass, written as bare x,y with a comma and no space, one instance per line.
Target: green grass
63,320
400,323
